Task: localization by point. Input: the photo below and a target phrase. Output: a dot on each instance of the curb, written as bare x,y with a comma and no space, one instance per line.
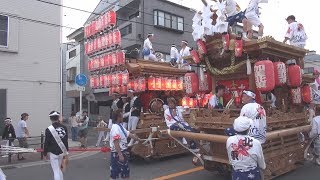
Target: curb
44,162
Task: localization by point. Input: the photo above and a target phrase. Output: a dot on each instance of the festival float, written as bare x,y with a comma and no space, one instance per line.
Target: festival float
263,66
155,81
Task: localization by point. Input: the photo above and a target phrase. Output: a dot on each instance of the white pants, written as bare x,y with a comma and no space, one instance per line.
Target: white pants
109,126
132,125
150,57
56,161
133,122
253,18
101,135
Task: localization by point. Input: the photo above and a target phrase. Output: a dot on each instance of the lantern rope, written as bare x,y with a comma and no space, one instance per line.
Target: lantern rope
226,70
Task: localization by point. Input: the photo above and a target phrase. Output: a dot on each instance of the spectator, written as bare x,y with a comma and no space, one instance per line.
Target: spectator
73,120
8,132
83,129
22,133
101,134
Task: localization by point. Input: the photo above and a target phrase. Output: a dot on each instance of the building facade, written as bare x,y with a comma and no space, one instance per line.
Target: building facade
30,61
67,103
311,62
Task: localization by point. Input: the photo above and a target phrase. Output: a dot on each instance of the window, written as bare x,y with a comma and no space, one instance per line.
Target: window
126,30
180,23
168,20
136,14
72,53
308,70
4,27
71,74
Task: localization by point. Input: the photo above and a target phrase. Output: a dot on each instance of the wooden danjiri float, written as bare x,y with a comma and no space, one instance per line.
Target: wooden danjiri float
154,81
263,66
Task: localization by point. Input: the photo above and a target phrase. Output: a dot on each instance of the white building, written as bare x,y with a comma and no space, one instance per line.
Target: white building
30,61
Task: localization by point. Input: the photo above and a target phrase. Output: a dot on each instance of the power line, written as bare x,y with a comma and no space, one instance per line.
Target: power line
35,21
56,4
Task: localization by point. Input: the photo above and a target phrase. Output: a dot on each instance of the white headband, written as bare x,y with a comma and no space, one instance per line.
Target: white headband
185,42
249,93
130,90
55,113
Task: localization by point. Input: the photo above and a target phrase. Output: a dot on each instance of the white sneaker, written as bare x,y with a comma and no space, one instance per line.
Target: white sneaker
184,141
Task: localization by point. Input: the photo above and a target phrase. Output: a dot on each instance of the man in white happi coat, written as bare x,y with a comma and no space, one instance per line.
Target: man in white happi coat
257,113
135,110
252,14
245,152
185,51
117,103
174,55
148,52
295,33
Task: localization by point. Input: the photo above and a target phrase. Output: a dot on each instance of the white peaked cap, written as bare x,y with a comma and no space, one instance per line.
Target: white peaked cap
242,124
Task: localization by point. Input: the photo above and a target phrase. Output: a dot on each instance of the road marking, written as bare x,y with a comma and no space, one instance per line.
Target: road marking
180,173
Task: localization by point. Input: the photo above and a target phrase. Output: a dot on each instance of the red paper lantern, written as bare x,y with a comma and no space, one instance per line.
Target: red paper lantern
114,81
106,60
99,44
120,57
142,84
168,84
226,41
117,37
130,85
307,94
280,73
119,75
109,80
152,83
123,89
294,76
238,48
191,102
174,84
185,101
163,84
101,80
264,75
136,85
89,65
180,84
296,95
105,20
158,83
110,40
195,56
206,85
191,83
112,18
102,64
93,27
103,42
202,47
94,82
113,59
96,63
125,78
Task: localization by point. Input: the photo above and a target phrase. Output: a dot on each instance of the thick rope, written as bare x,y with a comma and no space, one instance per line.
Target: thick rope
195,154
224,71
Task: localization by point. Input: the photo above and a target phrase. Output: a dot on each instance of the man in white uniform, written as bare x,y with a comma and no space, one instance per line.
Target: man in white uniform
185,51
252,14
234,15
174,55
135,110
315,134
216,101
295,33
148,52
245,152
256,112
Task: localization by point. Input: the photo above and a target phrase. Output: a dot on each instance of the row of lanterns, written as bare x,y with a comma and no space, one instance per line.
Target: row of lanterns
301,94
109,80
138,85
164,83
201,101
105,21
106,60
268,75
105,41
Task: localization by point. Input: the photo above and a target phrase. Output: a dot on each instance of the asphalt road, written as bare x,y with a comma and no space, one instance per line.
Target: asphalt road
96,167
